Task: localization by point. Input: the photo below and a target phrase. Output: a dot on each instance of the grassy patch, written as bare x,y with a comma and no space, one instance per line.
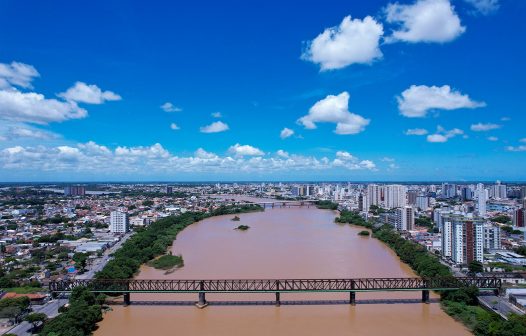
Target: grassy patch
167,262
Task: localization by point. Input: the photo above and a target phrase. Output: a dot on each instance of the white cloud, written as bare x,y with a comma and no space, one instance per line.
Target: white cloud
89,94
480,127
17,74
353,41
148,160
285,133
388,159
443,135
202,154
334,109
282,153
521,148
416,101
35,108
523,140
343,155
215,127
492,138
217,115
416,131
242,150
16,132
484,7
174,126
169,107
424,21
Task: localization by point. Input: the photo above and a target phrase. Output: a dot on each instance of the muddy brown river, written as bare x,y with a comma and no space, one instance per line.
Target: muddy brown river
281,243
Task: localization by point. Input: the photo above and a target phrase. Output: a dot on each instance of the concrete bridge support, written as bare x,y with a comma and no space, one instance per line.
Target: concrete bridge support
425,296
278,301
127,300
202,301
352,300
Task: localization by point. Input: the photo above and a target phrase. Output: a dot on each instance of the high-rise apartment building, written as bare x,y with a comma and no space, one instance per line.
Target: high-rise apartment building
74,191
395,196
492,237
118,222
405,218
481,199
498,191
374,192
422,202
411,197
519,218
463,238
449,190
466,194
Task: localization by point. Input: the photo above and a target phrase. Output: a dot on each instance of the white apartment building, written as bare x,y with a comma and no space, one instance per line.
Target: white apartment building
395,196
405,218
462,238
481,199
491,237
118,222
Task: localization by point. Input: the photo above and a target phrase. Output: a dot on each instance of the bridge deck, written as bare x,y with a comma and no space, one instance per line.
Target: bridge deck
277,285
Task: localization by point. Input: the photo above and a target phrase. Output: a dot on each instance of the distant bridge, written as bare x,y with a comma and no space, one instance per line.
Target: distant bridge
277,286
282,204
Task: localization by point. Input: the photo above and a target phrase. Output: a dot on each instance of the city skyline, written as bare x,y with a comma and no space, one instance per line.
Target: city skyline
181,92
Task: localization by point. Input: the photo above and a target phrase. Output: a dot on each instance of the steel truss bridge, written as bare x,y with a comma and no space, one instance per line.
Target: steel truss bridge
277,286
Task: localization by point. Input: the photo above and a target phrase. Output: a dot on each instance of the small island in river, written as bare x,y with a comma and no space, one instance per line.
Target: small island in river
242,227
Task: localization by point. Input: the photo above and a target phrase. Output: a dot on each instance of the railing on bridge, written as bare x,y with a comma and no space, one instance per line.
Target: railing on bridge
277,285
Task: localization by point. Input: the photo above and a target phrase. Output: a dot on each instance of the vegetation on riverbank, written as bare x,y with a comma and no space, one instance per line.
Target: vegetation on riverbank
364,233
326,205
80,318
152,241
242,227
461,304
167,262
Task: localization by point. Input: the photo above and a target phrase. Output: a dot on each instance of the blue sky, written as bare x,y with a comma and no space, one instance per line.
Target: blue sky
82,88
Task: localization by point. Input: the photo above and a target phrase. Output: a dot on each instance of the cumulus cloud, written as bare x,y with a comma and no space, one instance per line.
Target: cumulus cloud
242,150
424,21
484,7
101,160
493,138
17,132
282,153
344,155
169,107
334,109
353,41
443,135
417,100
416,131
285,133
17,74
480,127
215,127
174,126
89,94
35,108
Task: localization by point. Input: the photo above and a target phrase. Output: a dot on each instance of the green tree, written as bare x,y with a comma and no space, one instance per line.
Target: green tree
475,267
36,318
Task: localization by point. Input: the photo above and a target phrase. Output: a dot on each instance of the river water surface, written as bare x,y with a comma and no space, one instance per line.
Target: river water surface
281,243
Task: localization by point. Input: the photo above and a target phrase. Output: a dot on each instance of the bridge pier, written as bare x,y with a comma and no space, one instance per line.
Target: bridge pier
127,300
202,301
352,300
278,301
425,296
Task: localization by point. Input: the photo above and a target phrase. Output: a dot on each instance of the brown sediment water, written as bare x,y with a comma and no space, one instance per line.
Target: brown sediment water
281,243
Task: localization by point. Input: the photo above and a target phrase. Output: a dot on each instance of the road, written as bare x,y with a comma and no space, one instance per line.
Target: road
99,263
499,305
51,307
